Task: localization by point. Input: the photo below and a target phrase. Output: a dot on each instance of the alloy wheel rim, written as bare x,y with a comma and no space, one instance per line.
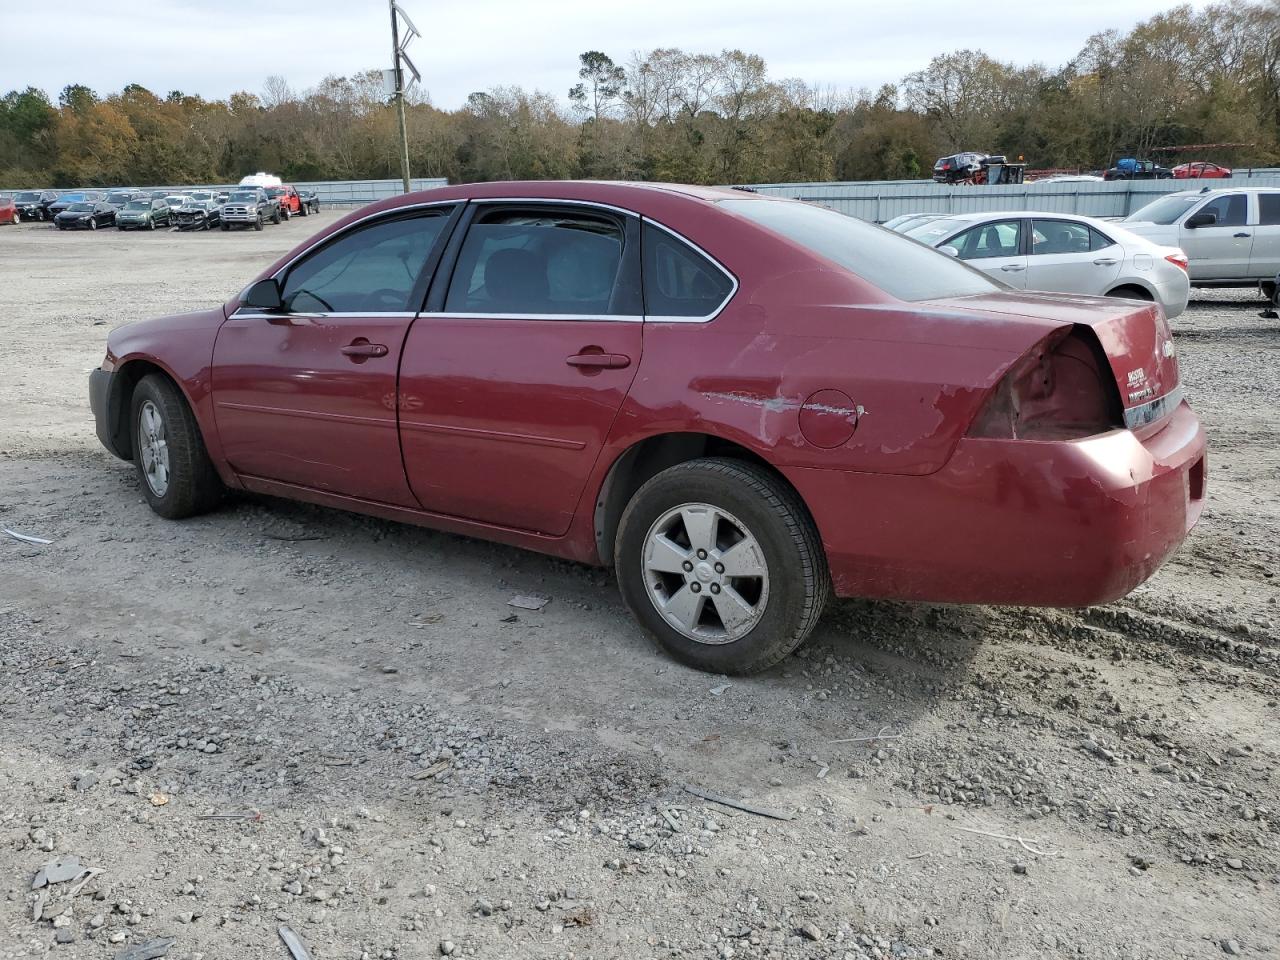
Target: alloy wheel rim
154,447
705,573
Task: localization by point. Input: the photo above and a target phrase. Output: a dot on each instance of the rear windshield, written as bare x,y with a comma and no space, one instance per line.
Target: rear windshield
138,205
900,267
1165,210
27,197
80,207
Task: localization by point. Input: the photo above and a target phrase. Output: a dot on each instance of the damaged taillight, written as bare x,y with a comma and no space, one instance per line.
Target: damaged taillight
1178,259
1061,389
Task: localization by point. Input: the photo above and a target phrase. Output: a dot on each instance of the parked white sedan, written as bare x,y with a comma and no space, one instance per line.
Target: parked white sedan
1062,253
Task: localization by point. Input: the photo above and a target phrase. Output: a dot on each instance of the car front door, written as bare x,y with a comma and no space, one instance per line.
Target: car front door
513,375
1219,251
996,248
1070,257
307,395
1264,260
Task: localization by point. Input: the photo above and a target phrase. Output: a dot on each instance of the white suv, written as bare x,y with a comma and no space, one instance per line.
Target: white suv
1231,237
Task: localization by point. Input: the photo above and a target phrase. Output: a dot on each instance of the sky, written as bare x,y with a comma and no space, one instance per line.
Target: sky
216,47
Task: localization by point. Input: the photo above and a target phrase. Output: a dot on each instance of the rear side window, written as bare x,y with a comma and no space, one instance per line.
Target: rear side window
1002,239
1269,209
538,262
371,269
678,280
1098,240
1231,210
899,266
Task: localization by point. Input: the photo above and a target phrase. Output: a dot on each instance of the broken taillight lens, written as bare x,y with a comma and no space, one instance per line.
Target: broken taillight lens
1061,389
1178,259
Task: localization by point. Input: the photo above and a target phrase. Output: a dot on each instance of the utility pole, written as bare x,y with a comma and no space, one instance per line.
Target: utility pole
398,61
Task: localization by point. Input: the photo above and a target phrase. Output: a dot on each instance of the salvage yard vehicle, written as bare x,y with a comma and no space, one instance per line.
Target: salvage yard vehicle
250,208
1063,253
1231,237
34,204
197,215
310,201
86,215
1128,168
1200,170
9,210
67,199
288,199
143,214
740,402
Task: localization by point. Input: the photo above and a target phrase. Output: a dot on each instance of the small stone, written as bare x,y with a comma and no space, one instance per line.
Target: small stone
1231,948
86,781
97,921
1235,863
810,932
1020,868
447,948
484,907
117,937
65,935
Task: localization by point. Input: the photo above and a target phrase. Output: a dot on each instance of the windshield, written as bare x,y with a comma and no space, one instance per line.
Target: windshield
118,196
274,191
931,231
80,207
900,267
1165,210
138,205
27,197
175,201
245,197
71,197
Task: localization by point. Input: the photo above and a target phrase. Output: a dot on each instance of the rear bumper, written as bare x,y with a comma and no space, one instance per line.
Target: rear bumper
1069,523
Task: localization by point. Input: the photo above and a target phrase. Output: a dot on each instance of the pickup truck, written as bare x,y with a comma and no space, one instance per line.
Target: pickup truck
290,202
1130,169
250,208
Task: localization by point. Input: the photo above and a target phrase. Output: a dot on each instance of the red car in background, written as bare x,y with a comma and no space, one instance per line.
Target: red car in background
290,202
741,403
1200,170
9,210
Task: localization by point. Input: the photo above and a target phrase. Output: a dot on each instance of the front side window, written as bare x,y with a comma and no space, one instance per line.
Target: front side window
371,269
1002,239
1231,210
678,280
1059,236
538,262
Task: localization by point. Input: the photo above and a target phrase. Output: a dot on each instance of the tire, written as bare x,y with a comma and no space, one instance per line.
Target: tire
1268,290
93,223
302,210
226,226
275,216
258,224
188,484
789,597
284,214
151,224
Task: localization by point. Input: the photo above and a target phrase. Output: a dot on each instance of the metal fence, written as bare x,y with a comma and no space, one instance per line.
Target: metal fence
883,201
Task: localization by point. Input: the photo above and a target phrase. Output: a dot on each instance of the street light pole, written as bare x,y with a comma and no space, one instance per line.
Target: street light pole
399,95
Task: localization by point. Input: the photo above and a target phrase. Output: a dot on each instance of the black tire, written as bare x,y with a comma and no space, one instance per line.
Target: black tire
799,583
302,210
93,223
151,224
275,216
226,226
193,483
1268,290
284,213
258,224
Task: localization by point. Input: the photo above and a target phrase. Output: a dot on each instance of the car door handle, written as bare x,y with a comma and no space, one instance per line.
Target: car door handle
364,349
606,361
1106,261
1241,234
1013,267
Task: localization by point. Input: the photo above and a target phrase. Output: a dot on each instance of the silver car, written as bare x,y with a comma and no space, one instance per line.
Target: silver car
1062,253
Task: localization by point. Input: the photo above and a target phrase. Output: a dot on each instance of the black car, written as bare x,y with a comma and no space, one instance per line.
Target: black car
34,204
198,215
958,166
310,200
1128,168
76,196
86,214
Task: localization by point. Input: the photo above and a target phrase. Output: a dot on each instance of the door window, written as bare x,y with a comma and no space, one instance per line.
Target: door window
1003,239
1269,209
678,280
549,262
1059,236
1231,210
371,269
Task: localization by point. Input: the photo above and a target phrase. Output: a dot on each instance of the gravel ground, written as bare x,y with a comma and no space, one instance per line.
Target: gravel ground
279,714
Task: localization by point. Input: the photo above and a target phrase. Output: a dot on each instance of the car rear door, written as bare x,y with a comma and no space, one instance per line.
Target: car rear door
307,395
1071,257
1264,258
513,375
997,248
1222,250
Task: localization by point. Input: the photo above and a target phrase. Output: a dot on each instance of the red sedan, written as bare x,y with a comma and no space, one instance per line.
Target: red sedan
1200,170
9,211
741,403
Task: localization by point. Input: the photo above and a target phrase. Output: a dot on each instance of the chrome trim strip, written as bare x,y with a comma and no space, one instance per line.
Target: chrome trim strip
355,223
558,201
240,314
723,269
598,318
1153,410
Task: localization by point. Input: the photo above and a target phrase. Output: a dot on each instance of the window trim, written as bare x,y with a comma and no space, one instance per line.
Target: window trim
733,280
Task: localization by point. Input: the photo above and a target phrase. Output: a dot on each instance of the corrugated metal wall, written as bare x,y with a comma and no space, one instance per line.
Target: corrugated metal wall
881,201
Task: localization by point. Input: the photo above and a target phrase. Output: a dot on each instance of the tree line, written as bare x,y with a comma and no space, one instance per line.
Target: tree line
1181,77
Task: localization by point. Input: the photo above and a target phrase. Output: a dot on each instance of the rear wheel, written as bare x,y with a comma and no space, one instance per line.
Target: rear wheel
1268,291
178,478
1131,293
721,562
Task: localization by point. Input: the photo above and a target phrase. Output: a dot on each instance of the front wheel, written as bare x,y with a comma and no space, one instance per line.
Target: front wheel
178,478
721,562
93,224
226,226
258,224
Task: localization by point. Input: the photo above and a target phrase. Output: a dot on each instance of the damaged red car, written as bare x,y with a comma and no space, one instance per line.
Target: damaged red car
742,404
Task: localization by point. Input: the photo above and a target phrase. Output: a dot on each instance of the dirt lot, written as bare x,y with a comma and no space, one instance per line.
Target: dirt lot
283,714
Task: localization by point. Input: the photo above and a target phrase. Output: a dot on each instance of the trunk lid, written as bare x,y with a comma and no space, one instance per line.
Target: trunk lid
1133,334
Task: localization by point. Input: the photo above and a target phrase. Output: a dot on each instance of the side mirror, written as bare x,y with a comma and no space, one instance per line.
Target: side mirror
949,250
1201,220
263,295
